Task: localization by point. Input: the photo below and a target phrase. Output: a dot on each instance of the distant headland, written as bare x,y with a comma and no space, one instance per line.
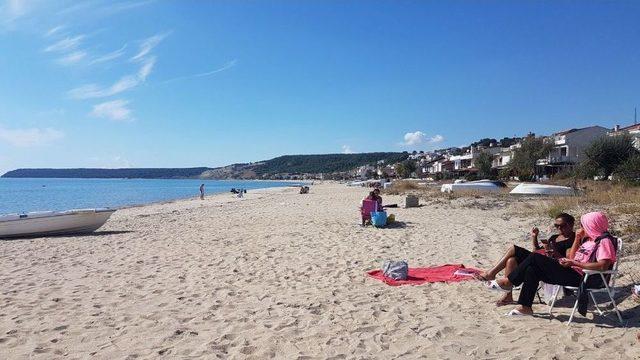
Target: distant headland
283,167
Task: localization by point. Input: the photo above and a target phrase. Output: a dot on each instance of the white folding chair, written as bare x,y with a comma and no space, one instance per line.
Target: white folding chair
609,287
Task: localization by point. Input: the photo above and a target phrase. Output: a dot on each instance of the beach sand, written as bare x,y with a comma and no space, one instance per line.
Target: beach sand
280,275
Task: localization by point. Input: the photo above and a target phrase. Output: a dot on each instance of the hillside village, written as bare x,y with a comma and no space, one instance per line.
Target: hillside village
566,151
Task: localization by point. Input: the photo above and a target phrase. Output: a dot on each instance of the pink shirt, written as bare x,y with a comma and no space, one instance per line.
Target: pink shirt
605,251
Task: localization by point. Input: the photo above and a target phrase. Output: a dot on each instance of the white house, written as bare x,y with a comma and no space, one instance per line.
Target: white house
569,145
632,130
502,159
364,171
461,162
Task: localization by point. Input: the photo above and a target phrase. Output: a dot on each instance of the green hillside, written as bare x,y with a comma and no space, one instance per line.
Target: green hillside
329,163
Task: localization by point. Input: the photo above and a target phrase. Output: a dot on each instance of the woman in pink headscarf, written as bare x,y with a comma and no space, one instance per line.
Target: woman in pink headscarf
593,249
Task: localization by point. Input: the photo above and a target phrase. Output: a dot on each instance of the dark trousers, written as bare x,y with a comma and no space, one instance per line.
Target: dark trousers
521,254
537,267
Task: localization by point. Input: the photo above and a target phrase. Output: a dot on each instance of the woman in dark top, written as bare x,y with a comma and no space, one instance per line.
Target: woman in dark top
556,246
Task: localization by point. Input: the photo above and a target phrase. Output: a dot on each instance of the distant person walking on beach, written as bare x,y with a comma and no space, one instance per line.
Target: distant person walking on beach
202,192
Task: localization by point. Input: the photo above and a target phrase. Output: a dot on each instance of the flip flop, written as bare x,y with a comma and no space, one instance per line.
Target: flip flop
516,312
494,286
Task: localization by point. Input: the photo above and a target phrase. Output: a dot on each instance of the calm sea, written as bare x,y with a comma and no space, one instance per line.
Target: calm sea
24,195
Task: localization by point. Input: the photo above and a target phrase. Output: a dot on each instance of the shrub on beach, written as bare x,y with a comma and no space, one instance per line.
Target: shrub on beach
606,154
401,187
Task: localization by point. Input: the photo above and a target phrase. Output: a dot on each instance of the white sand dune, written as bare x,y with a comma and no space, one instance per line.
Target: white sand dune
278,275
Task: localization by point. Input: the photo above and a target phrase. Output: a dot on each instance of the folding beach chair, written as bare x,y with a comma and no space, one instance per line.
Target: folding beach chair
368,206
609,287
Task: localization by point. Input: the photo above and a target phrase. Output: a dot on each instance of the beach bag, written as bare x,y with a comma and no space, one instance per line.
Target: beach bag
396,270
379,218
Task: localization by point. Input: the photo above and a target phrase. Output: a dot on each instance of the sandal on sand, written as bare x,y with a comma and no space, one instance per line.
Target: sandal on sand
494,286
516,312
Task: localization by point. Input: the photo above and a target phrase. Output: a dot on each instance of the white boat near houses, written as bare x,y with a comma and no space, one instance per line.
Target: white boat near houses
46,223
542,189
480,185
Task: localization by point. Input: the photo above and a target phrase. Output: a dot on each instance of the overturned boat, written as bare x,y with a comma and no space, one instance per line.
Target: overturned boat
480,185
542,189
46,223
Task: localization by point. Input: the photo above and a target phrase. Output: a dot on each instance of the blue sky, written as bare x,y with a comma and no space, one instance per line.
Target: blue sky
196,83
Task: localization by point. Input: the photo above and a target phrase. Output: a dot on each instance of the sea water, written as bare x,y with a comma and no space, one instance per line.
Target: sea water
18,195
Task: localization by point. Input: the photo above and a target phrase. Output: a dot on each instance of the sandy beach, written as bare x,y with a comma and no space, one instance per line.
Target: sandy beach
280,275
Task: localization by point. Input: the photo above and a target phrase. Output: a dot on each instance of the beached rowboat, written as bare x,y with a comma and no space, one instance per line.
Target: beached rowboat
542,189
480,185
53,222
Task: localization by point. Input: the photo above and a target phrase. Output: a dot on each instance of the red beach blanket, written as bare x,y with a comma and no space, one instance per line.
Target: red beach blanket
417,276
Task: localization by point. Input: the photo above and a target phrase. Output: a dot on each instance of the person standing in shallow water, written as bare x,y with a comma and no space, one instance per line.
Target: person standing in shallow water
202,192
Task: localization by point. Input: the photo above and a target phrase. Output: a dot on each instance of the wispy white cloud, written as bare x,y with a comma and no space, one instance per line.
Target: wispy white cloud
66,44
72,58
225,67
30,137
54,30
94,91
146,68
126,82
116,110
147,45
109,56
346,149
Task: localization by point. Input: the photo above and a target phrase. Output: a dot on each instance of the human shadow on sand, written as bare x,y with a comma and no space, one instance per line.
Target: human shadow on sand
393,225
91,234
609,319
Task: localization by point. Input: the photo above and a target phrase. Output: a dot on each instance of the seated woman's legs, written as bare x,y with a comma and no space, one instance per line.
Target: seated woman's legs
514,252
508,262
507,298
531,271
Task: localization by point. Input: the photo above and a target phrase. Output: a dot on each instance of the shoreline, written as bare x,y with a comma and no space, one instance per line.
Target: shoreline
212,196
293,183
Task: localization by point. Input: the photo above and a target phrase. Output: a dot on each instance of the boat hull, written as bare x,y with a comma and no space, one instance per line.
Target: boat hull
469,186
542,189
53,223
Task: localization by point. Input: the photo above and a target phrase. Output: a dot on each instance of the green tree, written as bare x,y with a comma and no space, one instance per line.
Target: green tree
400,170
405,168
524,160
605,154
483,163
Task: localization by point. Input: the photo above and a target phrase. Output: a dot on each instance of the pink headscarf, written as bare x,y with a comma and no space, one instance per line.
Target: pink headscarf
594,224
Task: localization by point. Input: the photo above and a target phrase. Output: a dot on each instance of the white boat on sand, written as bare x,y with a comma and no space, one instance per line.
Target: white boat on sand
480,186
542,189
46,223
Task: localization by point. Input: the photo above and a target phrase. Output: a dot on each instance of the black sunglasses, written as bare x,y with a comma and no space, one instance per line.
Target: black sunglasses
558,226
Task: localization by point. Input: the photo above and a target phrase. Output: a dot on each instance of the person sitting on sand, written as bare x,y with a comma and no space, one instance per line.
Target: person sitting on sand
556,246
593,249
375,197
